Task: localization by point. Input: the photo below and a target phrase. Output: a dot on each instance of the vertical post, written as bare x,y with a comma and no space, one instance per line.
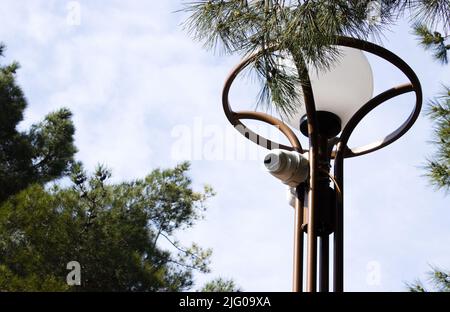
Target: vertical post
323,209
338,266
311,277
308,95
318,209
324,264
297,285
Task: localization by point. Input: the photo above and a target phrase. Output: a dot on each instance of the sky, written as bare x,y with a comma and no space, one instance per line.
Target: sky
144,95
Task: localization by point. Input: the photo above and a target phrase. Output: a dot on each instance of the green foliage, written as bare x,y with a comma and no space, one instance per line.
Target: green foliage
434,13
112,230
33,282
220,285
42,154
433,40
439,164
439,281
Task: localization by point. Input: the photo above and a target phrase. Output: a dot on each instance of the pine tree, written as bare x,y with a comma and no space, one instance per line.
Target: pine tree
113,230
40,155
220,285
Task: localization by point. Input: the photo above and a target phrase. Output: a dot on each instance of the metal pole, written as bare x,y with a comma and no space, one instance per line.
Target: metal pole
297,285
311,267
311,277
324,264
338,266
308,95
323,206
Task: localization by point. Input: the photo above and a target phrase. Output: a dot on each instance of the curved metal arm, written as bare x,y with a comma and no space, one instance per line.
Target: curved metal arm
413,86
235,117
366,109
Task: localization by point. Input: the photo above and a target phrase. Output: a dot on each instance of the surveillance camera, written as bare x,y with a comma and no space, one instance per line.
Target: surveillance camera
292,168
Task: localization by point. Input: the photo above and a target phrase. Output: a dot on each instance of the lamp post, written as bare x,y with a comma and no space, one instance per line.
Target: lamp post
335,102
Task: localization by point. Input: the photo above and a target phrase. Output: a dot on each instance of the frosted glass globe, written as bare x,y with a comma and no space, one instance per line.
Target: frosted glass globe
342,89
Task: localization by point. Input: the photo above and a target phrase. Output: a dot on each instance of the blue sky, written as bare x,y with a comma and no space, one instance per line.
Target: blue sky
144,95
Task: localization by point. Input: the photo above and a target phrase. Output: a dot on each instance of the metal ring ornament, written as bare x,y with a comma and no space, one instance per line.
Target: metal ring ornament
342,149
413,86
235,117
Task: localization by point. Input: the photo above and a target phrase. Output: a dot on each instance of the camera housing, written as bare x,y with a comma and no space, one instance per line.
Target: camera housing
291,167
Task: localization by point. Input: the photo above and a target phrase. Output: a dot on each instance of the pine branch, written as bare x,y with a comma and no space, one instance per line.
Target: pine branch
434,13
441,279
439,166
432,41
305,28
417,286
186,252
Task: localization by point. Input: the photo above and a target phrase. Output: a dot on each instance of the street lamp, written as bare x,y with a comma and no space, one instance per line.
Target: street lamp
335,101
338,92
